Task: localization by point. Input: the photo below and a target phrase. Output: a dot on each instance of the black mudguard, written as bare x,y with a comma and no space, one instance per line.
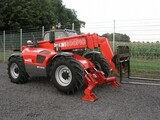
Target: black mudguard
15,55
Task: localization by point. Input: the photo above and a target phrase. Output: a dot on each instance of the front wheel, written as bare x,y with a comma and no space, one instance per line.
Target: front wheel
16,70
67,74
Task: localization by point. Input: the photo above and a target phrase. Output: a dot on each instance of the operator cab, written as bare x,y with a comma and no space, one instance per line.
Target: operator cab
59,33
55,34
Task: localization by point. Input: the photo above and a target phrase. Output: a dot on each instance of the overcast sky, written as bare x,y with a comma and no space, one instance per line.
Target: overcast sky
104,10
96,12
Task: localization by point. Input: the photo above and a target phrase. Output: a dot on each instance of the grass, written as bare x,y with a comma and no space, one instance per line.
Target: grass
145,68
145,59
8,53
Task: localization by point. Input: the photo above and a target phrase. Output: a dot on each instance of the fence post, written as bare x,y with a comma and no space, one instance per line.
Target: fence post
4,45
42,31
21,39
113,35
72,26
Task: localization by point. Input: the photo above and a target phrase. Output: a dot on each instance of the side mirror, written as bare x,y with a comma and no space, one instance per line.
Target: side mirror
51,37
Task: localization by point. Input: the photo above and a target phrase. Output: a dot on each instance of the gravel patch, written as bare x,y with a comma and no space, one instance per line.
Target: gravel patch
39,100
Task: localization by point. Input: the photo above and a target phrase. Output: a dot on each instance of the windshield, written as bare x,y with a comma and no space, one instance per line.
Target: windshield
71,33
57,35
60,34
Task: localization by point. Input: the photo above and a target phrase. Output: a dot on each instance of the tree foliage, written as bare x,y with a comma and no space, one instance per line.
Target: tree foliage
118,37
36,13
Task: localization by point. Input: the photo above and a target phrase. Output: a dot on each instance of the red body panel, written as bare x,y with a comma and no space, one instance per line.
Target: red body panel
45,44
31,53
107,52
30,56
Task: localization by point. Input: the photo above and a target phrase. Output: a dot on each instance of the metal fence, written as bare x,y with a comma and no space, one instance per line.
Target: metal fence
12,40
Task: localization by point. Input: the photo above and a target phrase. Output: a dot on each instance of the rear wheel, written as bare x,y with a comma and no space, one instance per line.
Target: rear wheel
16,70
100,62
67,74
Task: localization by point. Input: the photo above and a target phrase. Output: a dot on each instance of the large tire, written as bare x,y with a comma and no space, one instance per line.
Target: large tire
67,74
16,70
100,62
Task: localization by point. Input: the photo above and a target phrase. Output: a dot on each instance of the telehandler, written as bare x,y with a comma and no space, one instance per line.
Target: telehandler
62,57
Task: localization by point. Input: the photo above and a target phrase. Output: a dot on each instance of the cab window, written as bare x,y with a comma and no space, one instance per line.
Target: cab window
46,36
58,34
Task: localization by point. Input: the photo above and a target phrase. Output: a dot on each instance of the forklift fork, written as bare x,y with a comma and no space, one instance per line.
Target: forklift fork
124,68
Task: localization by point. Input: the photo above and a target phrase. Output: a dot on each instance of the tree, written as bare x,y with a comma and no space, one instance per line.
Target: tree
36,13
66,16
118,37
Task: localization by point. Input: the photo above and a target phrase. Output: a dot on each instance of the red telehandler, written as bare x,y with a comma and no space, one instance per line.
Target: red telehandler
62,57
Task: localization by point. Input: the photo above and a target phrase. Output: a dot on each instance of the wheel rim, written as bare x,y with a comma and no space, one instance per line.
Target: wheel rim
63,75
14,70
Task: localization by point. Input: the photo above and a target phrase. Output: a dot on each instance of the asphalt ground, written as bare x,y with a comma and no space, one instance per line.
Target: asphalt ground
39,100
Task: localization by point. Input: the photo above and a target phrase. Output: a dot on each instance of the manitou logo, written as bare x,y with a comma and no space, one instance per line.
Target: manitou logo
40,67
28,60
72,43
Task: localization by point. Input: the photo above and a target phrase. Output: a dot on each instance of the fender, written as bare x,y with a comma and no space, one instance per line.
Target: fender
66,54
83,61
15,55
91,53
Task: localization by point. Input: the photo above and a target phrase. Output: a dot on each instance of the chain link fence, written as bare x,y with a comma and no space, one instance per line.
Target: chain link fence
13,40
